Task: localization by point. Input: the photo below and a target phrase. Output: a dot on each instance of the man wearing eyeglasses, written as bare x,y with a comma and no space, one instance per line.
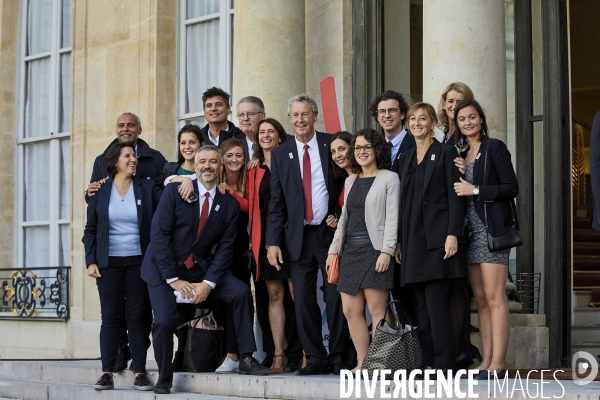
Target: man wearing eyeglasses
250,111
389,109
216,110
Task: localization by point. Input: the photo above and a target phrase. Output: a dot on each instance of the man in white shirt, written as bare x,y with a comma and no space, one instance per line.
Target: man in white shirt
250,111
303,192
190,251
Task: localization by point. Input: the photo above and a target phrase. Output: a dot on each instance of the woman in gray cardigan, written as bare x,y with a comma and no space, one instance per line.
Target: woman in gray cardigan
366,234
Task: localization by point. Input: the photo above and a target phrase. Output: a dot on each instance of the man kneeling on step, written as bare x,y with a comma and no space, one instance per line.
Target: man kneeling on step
191,247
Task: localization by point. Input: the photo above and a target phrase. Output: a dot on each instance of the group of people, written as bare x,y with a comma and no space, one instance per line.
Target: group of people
254,203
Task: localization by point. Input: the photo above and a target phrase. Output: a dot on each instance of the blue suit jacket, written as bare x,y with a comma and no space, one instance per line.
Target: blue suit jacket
286,209
95,235
173,237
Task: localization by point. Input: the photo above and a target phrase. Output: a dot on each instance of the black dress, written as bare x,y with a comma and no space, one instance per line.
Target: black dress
418,263
357,268
267,271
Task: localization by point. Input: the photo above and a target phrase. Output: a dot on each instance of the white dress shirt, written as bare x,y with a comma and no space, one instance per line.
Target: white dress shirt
320,196
250,149
201,199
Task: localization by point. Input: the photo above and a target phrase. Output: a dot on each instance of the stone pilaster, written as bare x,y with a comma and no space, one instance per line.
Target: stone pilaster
464,41
269,53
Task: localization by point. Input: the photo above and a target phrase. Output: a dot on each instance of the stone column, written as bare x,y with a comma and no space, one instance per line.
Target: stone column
269,53
464,41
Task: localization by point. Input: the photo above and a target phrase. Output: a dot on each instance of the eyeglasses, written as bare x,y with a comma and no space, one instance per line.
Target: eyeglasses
391,111
248,115
367,148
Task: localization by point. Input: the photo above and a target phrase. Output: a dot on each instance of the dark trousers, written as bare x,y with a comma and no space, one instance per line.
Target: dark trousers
460,308
166,315
294,347
308,315
241,272
122,291
435,323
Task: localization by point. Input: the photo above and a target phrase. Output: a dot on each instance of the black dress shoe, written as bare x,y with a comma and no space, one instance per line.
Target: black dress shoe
162,388
122,360
313,369
475,353
293,365
250,366
267,362
463,361
337,368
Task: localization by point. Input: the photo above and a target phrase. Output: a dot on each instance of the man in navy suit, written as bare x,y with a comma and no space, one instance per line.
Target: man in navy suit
190,250
303,193
389,110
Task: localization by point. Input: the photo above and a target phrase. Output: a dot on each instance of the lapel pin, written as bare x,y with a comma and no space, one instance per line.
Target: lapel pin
291,156
432,157
139,202
217,207
478,154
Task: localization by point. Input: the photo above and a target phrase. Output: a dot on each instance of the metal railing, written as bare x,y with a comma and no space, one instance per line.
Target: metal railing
35,293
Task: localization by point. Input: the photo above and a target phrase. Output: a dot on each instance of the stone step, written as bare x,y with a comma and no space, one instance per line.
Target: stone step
229,387
33,390
590,333
591,347
581,298
585,316
586,248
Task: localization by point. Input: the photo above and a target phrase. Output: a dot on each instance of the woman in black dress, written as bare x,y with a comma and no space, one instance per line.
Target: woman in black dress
430,234
366,235
270,135
490,180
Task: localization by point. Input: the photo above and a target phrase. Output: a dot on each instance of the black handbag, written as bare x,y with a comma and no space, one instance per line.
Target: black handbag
393,348
204,344
511,238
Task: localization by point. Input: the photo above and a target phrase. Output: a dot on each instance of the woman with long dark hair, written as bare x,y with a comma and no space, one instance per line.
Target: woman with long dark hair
340,154
490,186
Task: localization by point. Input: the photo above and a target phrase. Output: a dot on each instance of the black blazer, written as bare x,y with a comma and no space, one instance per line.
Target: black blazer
232,131
95,234
501,186
443,209
286,214
407,143
173,237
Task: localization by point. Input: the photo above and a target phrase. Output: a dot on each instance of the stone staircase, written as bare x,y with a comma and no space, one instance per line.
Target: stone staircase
585,323
73,380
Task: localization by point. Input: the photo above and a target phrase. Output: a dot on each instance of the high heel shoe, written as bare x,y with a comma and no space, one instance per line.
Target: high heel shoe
284,360
475,353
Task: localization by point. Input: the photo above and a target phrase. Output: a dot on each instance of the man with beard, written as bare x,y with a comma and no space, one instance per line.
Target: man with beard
149,164
216,110
190,250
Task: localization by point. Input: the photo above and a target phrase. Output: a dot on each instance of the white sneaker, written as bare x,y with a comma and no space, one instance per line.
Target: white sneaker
229,366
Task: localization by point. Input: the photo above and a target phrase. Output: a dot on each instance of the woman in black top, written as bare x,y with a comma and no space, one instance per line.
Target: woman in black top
340,148
431,247
490,180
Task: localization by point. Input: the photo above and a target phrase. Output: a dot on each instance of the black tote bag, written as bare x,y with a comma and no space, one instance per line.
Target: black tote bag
203,347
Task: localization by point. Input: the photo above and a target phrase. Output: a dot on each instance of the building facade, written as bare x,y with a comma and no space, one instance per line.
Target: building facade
69,68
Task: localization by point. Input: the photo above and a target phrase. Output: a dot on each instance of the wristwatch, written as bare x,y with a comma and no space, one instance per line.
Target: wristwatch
476,191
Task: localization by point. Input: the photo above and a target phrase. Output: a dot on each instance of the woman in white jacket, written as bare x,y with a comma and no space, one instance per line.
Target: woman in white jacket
367,236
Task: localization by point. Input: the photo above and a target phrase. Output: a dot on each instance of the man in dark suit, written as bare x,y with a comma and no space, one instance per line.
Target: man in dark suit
389,110
149,164
250,111
190,250
216,110
303,193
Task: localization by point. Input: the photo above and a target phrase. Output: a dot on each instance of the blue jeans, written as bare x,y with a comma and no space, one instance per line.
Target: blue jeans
122,290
